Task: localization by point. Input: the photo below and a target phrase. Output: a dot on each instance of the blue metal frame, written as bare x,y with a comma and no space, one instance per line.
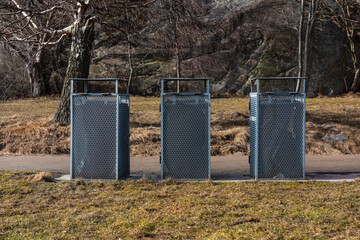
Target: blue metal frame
162,132
258,93
205,93
71,128
85,93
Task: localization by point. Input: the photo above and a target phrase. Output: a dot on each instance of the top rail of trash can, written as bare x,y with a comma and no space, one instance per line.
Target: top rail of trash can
86,80
206,81
258,79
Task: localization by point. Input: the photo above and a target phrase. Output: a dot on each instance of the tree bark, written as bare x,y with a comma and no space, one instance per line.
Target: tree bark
300,53
313,8
82,38
37,80
177,56
355,87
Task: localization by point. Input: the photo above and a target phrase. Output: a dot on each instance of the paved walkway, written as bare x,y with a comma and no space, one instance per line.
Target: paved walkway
229,167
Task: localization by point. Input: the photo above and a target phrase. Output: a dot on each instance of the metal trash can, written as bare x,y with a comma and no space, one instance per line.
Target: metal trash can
277,132
185,132
99,133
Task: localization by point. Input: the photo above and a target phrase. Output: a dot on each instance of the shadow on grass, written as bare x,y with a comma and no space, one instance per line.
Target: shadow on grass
343,119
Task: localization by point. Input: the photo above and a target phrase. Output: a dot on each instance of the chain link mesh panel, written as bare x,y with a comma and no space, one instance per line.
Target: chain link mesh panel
94,137
277,148
185,136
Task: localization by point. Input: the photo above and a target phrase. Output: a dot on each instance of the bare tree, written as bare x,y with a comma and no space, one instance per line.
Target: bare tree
123,20
24,27
42,23
82,38
345,14
183,26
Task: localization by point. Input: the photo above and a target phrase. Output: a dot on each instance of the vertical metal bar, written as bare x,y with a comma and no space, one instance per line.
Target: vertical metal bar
71,129
71,85
117,132
251,88
162,127
128,119
256,157
258,85
85,86
208,86
304,126
304,90
209,128
117,86
71,135
162,86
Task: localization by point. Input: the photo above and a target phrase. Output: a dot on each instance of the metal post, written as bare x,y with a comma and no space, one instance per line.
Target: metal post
304,126
209,124
85,86
117,130
162,132
257,131
71,128
72,86
304,90
117,86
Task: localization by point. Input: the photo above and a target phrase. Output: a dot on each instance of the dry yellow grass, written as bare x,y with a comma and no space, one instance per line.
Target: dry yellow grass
176,210
25,127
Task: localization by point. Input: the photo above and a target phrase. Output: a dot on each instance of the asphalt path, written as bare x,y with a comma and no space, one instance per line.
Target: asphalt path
317,166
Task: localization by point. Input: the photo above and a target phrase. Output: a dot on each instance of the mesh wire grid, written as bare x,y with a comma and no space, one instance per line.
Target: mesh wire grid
94,138
277,135
185,136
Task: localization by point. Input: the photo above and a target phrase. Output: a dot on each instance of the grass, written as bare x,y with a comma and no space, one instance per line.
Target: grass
31,207
25,127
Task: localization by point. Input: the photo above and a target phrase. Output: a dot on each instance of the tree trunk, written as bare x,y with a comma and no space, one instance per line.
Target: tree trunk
313,8
355,87
37,80
78,65
131,73
29,71
300,53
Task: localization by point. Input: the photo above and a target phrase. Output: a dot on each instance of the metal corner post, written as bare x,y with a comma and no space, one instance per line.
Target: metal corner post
117,132
162,131
71,128
257,135
209,127
257,129
304,127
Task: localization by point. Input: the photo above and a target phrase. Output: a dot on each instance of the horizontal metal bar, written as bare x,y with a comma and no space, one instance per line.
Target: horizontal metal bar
97,94
185,79
275,78
185,94
98,79
281,93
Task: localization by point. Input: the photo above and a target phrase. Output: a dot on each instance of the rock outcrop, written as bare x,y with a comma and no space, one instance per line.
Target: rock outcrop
239,39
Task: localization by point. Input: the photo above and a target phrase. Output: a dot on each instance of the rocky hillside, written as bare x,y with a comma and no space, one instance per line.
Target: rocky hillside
236,40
